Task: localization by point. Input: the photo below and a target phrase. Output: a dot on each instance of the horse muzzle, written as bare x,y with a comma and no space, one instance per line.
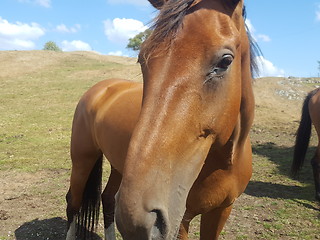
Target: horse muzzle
136,223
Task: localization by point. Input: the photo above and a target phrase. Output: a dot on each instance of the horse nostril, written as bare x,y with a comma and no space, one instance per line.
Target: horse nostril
159,228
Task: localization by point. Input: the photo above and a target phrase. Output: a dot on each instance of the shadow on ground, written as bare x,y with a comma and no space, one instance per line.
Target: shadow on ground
47,229
282,157
279,191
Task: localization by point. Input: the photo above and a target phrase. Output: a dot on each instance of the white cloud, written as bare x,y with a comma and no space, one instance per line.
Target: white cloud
268,69
116,53
318,13
19,36
42,3
75,45
259,37
264,38
64,29
119,30
133,2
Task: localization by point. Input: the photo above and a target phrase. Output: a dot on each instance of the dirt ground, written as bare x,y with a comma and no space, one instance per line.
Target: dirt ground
25,204
24,212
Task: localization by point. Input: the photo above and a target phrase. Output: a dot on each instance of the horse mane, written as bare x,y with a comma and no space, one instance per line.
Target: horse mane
255,50
166,25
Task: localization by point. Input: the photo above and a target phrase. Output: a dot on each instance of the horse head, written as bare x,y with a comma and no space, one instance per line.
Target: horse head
196,66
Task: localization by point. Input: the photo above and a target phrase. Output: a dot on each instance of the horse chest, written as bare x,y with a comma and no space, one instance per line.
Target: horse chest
212,191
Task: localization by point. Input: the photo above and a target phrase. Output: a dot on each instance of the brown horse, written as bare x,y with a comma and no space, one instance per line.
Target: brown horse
310,115
178,145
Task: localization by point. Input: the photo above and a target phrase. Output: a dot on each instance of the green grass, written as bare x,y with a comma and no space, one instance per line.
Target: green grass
38,108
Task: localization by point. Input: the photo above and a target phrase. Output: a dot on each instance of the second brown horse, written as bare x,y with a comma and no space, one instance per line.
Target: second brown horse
310,115
178,144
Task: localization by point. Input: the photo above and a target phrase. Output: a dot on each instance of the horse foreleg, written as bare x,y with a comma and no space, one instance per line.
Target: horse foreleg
184,229
213,222
108,203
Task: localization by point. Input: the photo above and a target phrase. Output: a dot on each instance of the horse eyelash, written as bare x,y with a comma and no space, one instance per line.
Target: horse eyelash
209,79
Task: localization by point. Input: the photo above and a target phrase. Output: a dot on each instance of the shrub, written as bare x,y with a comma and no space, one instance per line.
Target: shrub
51,46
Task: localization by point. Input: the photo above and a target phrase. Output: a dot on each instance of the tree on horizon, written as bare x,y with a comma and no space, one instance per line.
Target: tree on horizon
51,46
136,41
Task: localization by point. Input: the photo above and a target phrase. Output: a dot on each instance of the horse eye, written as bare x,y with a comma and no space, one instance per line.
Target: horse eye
217,72
225,62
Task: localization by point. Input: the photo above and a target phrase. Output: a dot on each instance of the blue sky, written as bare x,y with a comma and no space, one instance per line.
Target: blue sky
288,32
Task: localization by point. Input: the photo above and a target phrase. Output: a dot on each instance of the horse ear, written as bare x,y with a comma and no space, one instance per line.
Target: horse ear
157,3
234,3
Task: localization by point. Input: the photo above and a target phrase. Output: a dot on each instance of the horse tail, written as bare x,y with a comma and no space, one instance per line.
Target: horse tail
89,213
302,137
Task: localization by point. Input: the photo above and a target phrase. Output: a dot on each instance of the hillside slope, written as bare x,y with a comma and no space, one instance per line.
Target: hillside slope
17,63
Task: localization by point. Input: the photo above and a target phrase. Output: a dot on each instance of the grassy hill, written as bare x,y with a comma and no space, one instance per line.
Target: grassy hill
38,94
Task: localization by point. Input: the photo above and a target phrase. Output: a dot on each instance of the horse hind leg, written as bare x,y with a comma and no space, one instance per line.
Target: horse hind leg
83,197
315,163
108,203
